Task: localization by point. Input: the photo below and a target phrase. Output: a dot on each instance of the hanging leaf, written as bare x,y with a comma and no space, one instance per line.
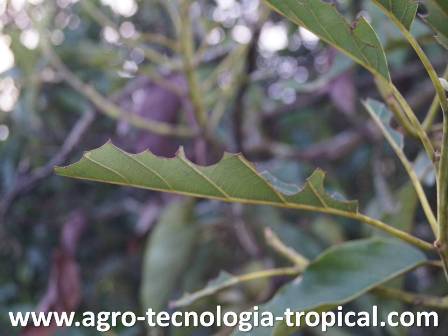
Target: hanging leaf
404,216
341,274
383,118
167,255
402,10
233,179
359,41
437,19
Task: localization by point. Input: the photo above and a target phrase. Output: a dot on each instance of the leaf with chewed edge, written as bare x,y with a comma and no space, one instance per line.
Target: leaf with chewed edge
403,10
359,41
233,179
340,275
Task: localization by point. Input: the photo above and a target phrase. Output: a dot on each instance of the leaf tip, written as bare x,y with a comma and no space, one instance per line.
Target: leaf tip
318,172
58,170
228,155
180,153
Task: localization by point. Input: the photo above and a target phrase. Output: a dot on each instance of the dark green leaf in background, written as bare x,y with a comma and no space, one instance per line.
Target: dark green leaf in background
167,255
403,217
341,274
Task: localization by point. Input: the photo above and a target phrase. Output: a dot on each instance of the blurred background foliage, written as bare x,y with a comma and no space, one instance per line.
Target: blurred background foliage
77,73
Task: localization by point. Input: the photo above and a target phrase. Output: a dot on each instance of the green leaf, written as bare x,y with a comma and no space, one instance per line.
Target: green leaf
341,274
233,179
443,5
404,215
167,254
437,19
383,117
403,10
359,40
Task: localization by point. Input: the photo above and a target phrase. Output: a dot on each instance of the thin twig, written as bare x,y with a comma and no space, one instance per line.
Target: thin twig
249,67
330,149
233,281
26,183
414,121
274,241
389,98
412,298
103,20
187,48
106,106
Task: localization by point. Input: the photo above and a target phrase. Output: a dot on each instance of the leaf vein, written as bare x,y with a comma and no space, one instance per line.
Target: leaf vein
124,178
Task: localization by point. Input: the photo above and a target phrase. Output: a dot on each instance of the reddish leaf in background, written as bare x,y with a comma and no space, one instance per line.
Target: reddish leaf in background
72,231
64,285
154,101
342,92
